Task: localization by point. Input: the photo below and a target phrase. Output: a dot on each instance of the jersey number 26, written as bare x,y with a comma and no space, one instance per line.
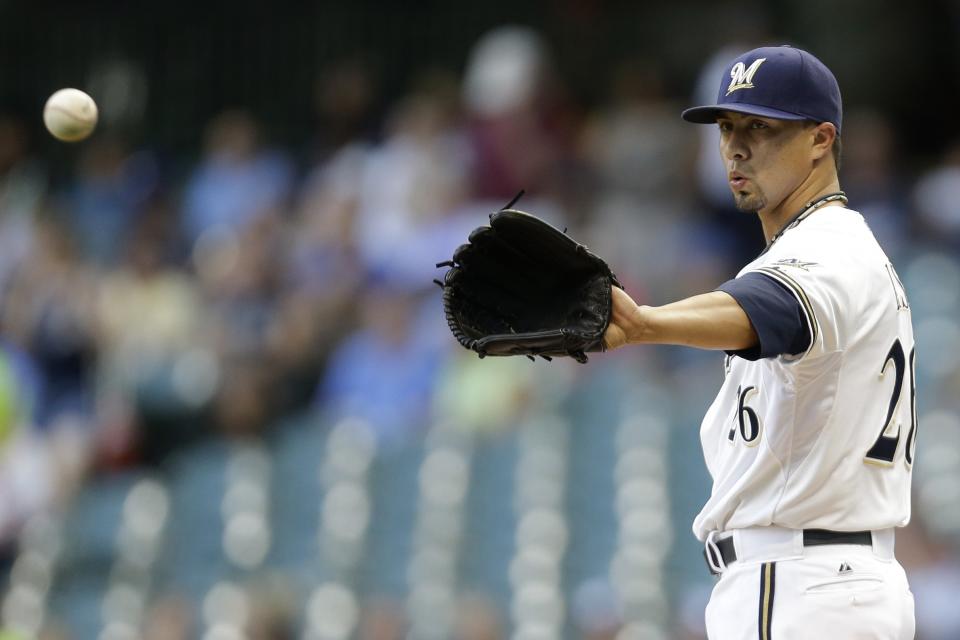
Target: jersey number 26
885,447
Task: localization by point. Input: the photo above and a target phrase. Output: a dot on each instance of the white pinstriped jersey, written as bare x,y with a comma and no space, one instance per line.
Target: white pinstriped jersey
823,439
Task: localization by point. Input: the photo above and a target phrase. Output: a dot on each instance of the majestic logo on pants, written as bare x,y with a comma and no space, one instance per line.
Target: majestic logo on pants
741,76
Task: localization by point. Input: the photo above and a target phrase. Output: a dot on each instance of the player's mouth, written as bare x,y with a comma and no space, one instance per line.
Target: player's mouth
737,180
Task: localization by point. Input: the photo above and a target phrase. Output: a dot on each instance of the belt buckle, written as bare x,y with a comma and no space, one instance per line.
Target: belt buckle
711,553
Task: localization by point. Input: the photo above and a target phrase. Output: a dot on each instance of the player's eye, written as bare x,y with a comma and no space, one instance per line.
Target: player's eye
725,126
759,124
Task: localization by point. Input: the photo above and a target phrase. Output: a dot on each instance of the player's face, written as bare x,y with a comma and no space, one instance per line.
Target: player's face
766,159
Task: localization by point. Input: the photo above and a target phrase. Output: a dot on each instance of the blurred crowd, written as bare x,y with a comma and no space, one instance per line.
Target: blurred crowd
150,307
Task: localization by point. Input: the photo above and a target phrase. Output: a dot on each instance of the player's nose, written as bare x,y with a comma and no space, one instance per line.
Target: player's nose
735,148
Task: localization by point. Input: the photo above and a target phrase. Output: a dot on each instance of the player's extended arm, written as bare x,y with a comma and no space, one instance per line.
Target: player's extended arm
708,321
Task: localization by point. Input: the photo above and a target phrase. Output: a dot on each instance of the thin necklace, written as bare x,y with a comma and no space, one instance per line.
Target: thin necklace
807,209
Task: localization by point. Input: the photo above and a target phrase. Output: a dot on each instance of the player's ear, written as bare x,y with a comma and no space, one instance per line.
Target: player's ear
824,134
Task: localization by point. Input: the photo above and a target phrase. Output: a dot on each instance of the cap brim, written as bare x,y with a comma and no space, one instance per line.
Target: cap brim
708,114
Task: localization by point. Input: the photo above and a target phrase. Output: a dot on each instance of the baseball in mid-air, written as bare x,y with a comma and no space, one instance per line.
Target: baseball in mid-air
70,115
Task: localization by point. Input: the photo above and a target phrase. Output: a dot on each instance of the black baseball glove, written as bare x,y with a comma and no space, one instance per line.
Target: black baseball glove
522,287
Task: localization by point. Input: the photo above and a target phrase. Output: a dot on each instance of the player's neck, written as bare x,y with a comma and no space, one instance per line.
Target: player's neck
773,220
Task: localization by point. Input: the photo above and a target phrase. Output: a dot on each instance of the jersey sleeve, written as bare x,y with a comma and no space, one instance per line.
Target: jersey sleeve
776,313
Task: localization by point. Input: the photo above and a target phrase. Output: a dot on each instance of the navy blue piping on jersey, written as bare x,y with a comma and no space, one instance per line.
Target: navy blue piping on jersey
783,279
776,314
768,579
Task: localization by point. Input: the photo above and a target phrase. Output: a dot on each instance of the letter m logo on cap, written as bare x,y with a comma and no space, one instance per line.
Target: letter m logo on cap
741,76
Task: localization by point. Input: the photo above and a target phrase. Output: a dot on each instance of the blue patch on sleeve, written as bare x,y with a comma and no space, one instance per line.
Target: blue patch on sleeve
774,312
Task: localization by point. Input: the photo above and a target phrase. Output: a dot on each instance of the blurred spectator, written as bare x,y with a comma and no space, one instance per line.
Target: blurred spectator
345,97
636,141
241,274
412,181
936,196
155,369
321,278
871,180
466,384
49,312
26,482
23,185
111,187
520,127
640,217
242,405
385,371
325,245
237,180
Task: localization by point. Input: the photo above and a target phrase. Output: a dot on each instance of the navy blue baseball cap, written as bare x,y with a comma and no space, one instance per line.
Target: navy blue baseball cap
776,82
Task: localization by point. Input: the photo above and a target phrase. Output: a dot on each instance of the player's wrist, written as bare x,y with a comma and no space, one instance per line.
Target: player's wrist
639,329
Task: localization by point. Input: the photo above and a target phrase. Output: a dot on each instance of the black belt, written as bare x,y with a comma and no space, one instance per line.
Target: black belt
811,538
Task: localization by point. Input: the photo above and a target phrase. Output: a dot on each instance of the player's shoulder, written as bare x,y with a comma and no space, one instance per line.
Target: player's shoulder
831,219
832,232
833,239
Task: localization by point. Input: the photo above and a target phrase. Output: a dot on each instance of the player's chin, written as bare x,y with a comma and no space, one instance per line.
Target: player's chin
748,202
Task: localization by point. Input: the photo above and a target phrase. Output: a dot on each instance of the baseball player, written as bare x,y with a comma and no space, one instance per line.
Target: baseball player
810,441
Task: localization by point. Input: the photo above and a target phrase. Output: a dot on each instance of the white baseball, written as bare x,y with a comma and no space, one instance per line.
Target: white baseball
70,115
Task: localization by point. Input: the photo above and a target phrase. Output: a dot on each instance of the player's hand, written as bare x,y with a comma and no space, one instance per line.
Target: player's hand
625,318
